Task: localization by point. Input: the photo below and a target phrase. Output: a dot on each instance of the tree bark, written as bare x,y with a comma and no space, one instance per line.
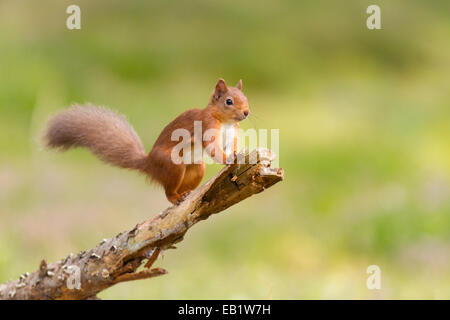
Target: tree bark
116,260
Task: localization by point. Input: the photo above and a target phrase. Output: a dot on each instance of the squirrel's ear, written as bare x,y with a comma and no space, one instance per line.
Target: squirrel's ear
239,85
221,88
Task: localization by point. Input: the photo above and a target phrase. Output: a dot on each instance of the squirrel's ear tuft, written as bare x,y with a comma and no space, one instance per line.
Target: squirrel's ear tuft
221,85
221,88
239,85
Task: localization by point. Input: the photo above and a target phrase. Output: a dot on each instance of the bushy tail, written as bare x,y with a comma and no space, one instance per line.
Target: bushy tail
107,134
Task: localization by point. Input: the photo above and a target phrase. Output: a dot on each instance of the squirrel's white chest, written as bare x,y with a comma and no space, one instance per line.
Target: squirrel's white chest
227,135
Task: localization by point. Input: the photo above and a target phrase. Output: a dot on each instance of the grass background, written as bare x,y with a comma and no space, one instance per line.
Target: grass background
364,120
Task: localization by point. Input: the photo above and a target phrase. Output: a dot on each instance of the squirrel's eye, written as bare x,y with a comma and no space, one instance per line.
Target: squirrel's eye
229,102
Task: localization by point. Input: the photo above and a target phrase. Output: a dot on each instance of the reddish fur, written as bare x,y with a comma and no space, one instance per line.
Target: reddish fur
113,140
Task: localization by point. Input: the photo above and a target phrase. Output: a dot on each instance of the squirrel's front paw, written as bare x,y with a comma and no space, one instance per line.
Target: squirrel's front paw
232,158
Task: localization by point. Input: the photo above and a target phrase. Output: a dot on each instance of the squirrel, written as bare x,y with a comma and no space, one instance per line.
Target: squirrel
112,139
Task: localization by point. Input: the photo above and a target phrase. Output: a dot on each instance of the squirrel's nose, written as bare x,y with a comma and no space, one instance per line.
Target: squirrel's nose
246,113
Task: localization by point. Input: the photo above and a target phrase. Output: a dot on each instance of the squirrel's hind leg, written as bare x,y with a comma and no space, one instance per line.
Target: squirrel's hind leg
173,180
193,175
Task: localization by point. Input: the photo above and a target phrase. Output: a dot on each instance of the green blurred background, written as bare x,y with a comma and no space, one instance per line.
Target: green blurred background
364,119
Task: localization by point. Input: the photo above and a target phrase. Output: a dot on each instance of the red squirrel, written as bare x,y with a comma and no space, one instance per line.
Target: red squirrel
111,138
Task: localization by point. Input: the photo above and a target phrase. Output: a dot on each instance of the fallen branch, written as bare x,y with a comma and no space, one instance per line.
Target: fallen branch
116,260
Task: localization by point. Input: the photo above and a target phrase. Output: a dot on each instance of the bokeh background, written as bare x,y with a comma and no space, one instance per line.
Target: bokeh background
364,119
